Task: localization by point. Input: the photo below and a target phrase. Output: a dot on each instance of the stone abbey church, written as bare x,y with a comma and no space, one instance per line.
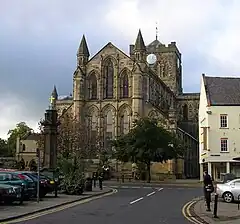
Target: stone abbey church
113,88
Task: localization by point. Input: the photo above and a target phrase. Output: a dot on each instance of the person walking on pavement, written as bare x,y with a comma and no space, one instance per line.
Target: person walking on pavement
100,179
94,179
208,189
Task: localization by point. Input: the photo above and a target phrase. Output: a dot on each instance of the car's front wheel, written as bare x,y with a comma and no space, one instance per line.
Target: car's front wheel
228,197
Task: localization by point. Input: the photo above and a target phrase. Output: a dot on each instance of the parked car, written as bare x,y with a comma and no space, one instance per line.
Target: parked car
12,178
229,191
226,177
46,184
10,194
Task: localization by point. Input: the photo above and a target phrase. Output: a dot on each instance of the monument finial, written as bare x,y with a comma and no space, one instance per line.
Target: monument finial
52,100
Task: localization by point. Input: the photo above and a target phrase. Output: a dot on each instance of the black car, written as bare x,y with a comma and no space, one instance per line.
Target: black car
46,185
10,194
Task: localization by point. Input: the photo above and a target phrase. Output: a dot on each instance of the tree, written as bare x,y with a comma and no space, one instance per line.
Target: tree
3,148
147,142
75,146
20,130
74,141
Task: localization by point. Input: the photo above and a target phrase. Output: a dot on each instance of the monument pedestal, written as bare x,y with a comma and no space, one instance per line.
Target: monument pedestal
50,125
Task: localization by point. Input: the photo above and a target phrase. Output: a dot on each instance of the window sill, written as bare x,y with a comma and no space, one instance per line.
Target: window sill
224,151
223,128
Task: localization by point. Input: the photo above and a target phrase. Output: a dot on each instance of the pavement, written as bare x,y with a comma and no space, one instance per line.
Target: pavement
228,213
12,212
131,204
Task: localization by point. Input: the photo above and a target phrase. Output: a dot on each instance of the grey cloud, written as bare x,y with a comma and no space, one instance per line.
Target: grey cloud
39,41
38,44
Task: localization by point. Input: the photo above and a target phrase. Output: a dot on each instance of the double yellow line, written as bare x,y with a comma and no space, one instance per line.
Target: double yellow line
60,208
187,214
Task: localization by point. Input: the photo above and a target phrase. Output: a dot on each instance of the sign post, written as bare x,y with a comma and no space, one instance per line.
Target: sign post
38,174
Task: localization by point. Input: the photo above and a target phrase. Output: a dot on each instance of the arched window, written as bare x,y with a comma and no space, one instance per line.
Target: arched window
185,112
109,128
190,112
124,123
108,74
124,86
92,125
92,87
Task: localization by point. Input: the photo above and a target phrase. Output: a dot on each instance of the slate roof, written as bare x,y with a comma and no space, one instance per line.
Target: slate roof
222,90
154,45
31,136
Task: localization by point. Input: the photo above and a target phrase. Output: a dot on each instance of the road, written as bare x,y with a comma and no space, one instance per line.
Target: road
131,204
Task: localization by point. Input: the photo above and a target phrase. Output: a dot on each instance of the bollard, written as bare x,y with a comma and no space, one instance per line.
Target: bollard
215,206
55,188
122,178
238,201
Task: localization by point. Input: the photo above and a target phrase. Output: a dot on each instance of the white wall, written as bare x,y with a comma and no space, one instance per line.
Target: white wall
216,133
202,117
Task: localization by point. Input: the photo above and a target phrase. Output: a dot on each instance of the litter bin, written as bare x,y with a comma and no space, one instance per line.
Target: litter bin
88,184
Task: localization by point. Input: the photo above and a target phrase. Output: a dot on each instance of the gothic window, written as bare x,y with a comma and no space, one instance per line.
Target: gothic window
185,112
164,71
108,74
124,86
124,123
92,86
92,124
152,92
109,128
190,111
145,88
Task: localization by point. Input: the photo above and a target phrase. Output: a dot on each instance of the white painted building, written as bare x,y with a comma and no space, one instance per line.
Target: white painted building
219,126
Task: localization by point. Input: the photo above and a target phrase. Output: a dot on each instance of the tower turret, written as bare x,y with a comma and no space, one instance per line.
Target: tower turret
82,53
140,48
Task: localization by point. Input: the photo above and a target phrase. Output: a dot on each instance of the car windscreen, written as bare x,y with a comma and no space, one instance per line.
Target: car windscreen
5,177
41,176
31,176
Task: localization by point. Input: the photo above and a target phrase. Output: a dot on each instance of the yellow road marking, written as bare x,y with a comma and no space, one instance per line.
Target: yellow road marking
53,210
186,212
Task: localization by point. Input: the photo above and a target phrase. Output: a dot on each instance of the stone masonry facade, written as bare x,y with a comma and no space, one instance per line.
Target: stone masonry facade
112,88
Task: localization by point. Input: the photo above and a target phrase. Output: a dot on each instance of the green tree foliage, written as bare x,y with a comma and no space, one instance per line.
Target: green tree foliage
72,169
147,142
20,130
4,148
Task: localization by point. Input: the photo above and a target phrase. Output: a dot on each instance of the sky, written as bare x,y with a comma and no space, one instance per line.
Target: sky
39,41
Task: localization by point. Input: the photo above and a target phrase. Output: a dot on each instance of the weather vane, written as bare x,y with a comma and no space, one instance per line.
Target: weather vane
156,31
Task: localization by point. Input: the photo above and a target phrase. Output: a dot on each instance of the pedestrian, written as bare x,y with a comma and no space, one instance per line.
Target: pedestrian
94,178
100,179
208,189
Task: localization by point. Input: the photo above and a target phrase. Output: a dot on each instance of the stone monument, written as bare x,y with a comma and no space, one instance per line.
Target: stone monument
50,125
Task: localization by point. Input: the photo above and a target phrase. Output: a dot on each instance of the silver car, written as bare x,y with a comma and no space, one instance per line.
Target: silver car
229,191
